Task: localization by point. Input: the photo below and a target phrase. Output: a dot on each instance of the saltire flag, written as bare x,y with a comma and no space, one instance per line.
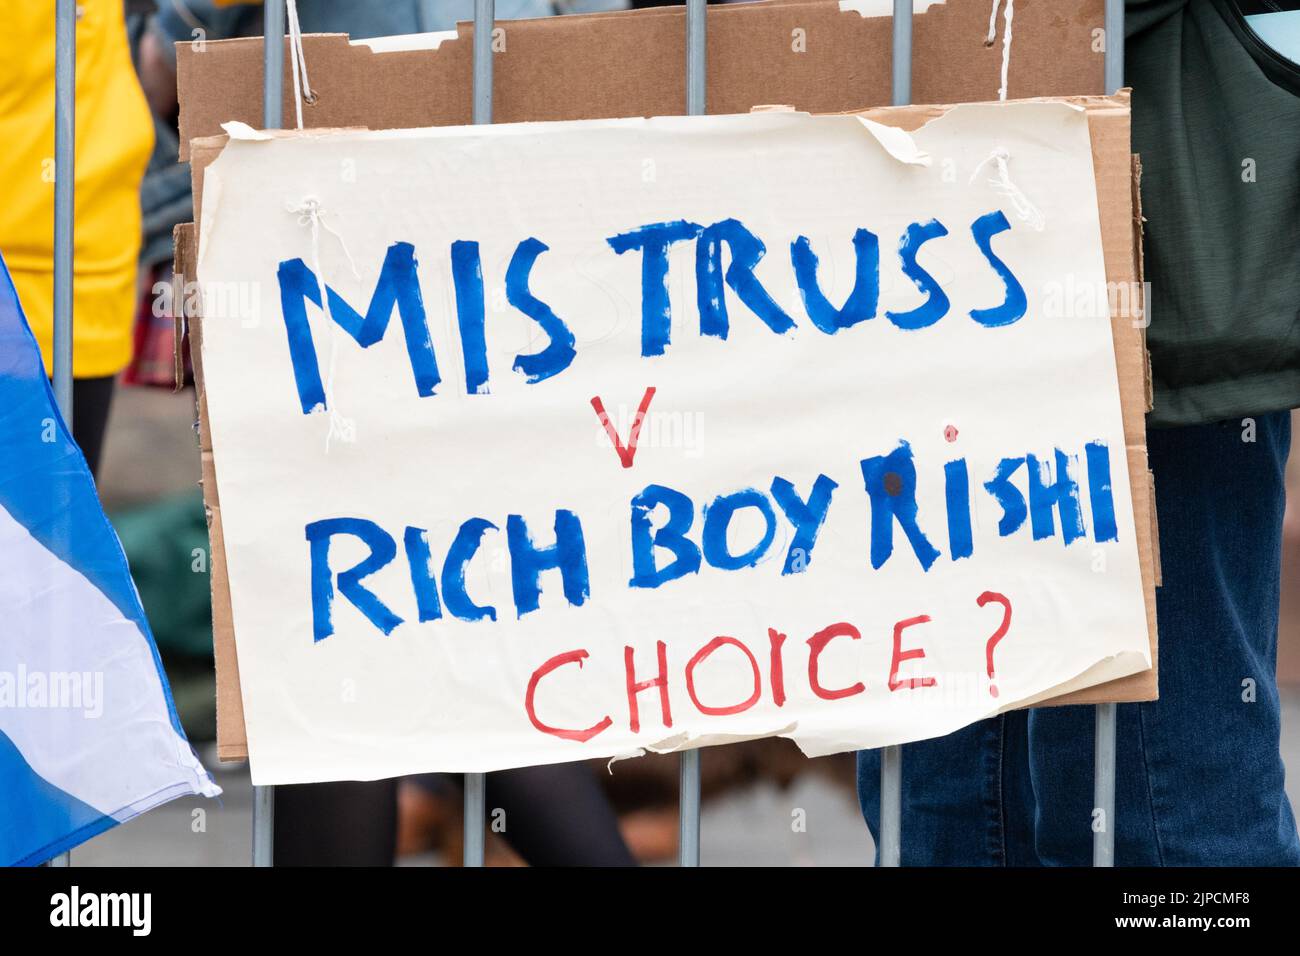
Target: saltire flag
89,736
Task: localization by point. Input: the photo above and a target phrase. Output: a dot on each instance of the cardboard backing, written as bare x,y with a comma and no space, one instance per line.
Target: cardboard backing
628,64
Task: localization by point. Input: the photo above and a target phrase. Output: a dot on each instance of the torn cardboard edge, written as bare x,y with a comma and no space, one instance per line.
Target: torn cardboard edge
1116,171
820,56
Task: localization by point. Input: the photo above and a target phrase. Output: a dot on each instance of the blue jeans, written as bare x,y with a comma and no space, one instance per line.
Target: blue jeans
1199,778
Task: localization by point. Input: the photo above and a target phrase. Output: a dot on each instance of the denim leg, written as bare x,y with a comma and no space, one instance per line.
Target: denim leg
965,796
1199,772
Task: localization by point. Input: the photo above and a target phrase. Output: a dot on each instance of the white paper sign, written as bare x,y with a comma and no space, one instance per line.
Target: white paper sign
661,433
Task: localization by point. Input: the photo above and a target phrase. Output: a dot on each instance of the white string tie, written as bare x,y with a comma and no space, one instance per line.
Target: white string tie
310,213
1008,14
1026,211
301,90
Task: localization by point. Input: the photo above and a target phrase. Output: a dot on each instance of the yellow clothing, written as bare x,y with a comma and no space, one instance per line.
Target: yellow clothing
114,140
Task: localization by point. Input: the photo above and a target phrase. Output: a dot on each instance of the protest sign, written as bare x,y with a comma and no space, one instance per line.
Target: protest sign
655,433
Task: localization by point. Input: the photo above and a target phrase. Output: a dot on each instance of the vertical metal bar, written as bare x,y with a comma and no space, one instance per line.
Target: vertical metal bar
475,819
272,118
263,826
484,23
1114,34
1103,834
65,117
902,59
891,758
891,806
696,61
476,783
273,65
65,112
688,789
688,813
1103,796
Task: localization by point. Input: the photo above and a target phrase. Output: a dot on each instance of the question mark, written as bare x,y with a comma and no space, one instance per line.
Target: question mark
1001,632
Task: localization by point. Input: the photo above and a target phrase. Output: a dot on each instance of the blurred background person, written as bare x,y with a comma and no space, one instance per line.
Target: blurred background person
113,142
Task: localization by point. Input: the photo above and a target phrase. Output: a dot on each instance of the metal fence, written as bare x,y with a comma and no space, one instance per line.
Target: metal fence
891,765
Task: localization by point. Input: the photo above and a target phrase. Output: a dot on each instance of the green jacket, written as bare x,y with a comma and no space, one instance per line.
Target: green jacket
1216,118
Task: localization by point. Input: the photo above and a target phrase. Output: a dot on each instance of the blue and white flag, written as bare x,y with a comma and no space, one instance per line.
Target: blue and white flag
89,736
